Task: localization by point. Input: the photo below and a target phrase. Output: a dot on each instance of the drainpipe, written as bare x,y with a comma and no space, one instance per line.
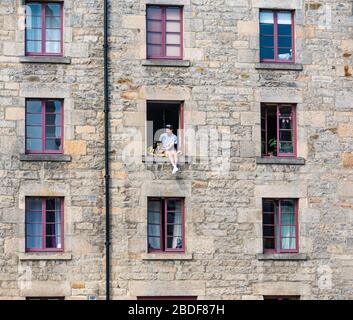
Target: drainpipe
106,151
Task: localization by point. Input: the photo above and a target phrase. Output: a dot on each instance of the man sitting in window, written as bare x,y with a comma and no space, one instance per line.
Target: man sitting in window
169,140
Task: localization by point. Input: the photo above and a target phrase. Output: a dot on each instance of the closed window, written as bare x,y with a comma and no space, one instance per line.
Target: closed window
166,224
278,130
44,28
280,225
44,224
44,126
276,36
164,32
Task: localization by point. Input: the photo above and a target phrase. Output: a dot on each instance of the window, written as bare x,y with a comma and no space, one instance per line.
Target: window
280,225
164,32
166,224
44,28
44,224
276,36
279,298
45,298
159,114
278,130
176,298
44,126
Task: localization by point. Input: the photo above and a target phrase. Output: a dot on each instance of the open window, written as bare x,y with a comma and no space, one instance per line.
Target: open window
159,114
278,130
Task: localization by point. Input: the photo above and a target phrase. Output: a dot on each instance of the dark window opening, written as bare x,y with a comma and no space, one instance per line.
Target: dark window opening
279,298
278,130
159,114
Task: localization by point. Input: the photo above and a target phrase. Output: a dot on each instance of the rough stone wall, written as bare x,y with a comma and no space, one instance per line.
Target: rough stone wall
79,271
222,90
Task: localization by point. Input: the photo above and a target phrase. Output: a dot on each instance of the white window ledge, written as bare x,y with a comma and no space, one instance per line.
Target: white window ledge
166,63
167,256
44,256
45,59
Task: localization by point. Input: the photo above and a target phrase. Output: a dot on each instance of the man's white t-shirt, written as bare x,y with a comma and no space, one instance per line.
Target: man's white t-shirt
168,141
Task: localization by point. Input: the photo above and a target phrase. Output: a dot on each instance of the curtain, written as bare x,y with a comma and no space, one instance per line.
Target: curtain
288,225
174,224
154,224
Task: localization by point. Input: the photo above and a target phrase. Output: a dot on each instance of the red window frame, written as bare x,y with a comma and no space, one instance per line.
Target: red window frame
277,208
163,225
44,29
264,131
44,125
164,32
162,298
275,36
44,224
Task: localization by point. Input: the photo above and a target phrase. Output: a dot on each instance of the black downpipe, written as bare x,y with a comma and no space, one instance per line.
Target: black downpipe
106,150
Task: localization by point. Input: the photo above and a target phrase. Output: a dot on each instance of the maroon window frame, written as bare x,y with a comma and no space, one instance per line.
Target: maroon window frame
276,48
44,126
276,229
44,230
40,25
160,225
161,298
163,33
286,123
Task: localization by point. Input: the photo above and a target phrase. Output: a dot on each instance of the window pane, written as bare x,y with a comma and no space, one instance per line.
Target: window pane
154,37
34,46
34,132
172,51
53,204
53,106
154,51
267,41
285,54
154,230
285,42
34,34
53,229
34,242
52,9
267,29
285,123
154,205
284,18
287,206
174,205
267,53
154,243
33,22
34,144
173,38
34,204
52,47
268,231
266,17
155,26
268,206
174,243
175,218
268,218
53,242
34,229
174,230
53,22
285,135
53,119
33,216
53,132
154,13
269,243
34,9
34,106
53,216
286,147
173,26
173,14
288,231
53,34
285,30
288,243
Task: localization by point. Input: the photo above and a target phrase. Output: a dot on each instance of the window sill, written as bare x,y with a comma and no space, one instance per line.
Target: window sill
44,256
282,256
280,161
279,66
166,63
167,256
46,59
152,159
45,157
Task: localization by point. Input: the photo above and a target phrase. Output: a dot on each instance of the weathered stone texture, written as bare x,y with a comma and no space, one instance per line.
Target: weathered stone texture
222,89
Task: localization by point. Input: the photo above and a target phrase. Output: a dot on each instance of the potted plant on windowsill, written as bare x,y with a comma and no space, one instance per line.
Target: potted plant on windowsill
272,145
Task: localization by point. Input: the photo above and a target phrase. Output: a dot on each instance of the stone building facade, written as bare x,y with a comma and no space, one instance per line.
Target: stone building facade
221,85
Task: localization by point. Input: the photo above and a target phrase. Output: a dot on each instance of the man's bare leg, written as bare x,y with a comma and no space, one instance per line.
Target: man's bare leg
171,158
